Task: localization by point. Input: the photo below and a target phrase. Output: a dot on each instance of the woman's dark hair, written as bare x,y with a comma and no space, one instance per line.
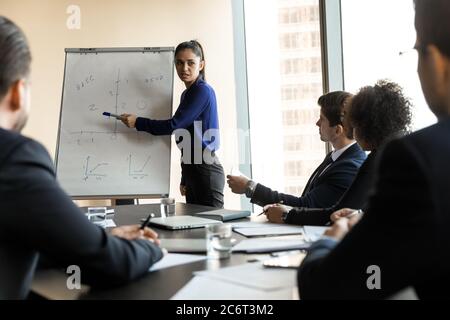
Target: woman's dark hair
15,55
332,106
197,48
380,112
433,23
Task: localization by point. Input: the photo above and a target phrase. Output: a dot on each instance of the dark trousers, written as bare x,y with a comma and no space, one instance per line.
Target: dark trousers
204,184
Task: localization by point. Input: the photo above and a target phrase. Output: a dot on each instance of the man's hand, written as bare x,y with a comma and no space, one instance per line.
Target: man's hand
237,184
182,190
342,226
341,214
129,120
275,212
134,232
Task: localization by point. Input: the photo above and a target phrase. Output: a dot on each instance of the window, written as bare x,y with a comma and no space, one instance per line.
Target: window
315,39
284,82
371,49
293,12
300,40
299,66
299,117
301,142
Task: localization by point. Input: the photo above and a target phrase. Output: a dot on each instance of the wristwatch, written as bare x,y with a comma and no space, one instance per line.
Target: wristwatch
284,216
251,186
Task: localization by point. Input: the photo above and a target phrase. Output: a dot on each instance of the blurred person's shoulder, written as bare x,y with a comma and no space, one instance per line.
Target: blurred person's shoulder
434,138
428,147
15,146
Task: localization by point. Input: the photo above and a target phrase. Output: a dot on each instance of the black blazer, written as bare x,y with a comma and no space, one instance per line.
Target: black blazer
36,216
404,230
326,189
355,197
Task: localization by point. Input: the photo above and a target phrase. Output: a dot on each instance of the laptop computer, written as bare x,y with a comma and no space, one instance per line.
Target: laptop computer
181,222
223,214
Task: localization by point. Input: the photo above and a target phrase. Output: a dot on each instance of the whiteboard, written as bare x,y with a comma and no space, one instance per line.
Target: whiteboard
99,156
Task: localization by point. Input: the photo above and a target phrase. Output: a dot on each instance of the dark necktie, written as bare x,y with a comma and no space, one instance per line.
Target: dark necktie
316,174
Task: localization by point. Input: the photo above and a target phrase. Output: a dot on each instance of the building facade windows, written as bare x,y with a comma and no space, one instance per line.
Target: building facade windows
299,66
299,14
300,40
283,95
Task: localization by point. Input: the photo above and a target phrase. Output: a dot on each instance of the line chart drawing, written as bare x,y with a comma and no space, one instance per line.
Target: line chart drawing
92,171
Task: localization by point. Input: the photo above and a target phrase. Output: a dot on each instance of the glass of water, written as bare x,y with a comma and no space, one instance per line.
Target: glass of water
219,241
167,207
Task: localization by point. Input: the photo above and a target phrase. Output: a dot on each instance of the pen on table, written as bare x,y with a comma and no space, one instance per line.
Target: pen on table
108,114
145,223
265,211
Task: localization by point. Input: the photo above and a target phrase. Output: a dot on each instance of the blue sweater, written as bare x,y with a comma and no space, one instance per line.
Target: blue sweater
198,103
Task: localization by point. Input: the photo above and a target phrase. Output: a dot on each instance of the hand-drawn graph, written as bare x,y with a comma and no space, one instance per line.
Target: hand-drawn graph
88,136
92,171
134,170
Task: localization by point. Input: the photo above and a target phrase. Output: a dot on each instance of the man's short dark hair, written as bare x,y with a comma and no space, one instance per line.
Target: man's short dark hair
332,106
433,23
15,55
380,112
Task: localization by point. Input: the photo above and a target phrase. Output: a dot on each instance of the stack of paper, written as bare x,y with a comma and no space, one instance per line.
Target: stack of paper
253,275
202,288
107,223
249,281
266,245
314,233
174,259
269,230
253,224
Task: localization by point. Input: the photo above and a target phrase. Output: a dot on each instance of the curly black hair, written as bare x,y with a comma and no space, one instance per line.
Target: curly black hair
380,112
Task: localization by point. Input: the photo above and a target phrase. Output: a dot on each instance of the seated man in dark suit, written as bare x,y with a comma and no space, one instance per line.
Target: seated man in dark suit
332,178
376,114
36,216
402,239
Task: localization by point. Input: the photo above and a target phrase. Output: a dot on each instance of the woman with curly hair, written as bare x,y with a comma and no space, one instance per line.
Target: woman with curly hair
377,114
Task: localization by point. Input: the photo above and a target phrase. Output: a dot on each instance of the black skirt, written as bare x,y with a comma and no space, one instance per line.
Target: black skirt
204,183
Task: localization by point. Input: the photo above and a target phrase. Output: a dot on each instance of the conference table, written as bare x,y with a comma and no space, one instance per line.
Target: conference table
161,284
